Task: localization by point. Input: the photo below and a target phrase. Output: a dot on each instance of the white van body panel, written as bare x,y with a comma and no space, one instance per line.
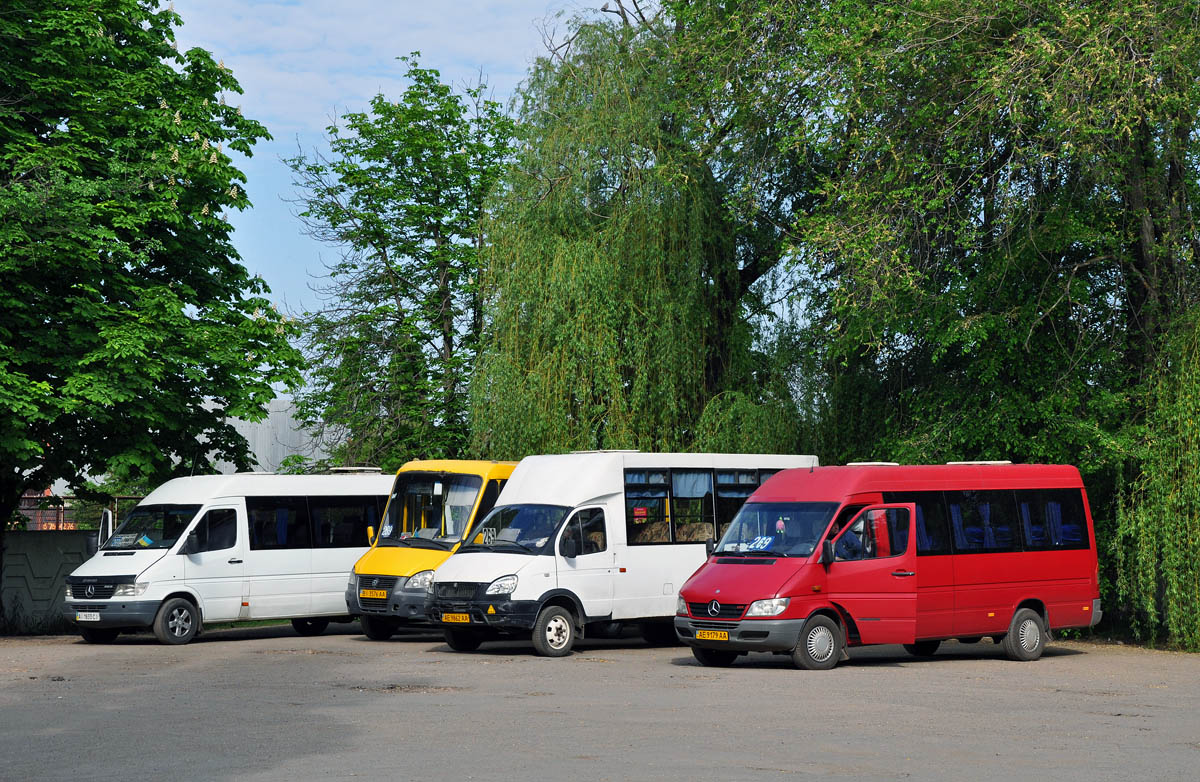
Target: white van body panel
241,582
624,582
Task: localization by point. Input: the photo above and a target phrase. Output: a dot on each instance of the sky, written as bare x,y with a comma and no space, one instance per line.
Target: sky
303,63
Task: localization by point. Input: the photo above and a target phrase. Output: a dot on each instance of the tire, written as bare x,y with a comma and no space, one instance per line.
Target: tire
463,640
659,633
99,635
377,628
820,644
922,648
177,621
1026,636
714,658
554,632
310,627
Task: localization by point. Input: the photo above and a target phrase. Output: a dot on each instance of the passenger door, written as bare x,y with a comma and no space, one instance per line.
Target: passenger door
215,568
873,575
589,574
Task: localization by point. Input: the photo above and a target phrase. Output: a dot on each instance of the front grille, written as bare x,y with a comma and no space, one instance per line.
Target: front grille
708,625
99,591
456,590
375,582
727,610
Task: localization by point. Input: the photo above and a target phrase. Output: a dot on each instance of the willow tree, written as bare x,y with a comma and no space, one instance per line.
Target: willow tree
622,273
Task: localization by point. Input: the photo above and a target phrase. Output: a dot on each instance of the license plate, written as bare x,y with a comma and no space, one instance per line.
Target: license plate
373,594
87,616
712,635
460,618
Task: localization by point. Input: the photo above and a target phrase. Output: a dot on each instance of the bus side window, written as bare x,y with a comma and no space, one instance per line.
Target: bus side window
490,494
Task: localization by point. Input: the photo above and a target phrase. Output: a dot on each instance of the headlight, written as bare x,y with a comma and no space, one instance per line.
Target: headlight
505,585
773,607
421,581
353,582
130,590
681,607
67,594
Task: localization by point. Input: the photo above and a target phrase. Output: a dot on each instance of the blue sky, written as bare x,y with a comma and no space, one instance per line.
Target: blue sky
302,64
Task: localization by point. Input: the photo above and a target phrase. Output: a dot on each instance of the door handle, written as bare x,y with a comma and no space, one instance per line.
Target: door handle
236,561
903,573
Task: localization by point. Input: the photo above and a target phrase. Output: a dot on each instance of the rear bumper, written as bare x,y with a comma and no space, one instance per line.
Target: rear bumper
1097,614
750,635
113,614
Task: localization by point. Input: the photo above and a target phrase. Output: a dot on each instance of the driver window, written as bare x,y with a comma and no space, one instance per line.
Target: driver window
217,531
586,529
877,533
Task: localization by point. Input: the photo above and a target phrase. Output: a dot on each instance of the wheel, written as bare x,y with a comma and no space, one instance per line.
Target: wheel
310,626
922,648
659,633
554,632
377,628
1026,636
463,640
177,621
714,658
820,644
99,635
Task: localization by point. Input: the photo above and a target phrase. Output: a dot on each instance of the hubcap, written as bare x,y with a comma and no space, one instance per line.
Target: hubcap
1029,635
819,643
558,632
180,622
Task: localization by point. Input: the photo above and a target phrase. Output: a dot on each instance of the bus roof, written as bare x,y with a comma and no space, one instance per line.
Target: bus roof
836,483
201,488
481,467
575,478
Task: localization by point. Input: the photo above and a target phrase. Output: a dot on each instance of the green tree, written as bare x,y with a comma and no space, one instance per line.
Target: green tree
403,191
129,331
627,259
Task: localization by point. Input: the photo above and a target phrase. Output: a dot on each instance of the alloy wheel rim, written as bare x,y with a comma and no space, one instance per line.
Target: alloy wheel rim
180,622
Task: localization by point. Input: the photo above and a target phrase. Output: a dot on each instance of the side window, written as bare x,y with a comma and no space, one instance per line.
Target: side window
874,534
278,522
983,521
217,531
733,487
646,507
931,527
341,522
692,504
1052,519
591,522
490,494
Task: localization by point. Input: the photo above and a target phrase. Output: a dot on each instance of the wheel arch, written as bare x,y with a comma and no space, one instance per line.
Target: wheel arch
188,596
567,599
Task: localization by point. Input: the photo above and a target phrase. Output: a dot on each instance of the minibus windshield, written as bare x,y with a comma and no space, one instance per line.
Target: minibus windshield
784,529
429,510
152,526
523,529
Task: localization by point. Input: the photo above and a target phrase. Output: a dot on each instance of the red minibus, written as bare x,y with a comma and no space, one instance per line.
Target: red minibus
824,558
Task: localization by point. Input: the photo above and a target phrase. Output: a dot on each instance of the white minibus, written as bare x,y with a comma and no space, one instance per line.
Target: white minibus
585,540
226,548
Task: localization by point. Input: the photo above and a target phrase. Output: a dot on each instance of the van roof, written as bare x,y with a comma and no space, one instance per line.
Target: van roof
575,478
836,483
201,488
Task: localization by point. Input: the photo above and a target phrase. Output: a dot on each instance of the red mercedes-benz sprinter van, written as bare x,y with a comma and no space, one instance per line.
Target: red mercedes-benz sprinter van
824,558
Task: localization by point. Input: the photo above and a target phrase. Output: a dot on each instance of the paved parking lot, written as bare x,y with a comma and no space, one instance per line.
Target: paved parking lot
266,704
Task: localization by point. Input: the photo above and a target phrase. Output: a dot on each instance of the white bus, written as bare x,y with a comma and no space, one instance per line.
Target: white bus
226,548
588,539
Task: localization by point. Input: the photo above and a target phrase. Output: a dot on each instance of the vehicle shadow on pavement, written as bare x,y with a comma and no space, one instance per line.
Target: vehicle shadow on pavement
887,656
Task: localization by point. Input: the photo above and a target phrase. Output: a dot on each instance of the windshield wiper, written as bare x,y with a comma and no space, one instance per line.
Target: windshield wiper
422,543
522,546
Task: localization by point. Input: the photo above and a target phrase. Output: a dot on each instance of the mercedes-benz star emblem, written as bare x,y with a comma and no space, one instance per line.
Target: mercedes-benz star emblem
90,591
714,608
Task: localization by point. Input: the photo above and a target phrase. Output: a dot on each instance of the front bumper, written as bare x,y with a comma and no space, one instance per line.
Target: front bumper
113,614
403,605
748,635
499,614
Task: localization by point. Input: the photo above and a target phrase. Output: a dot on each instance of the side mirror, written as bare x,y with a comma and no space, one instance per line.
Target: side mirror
370,536
826,552
710,546
569,548
192,544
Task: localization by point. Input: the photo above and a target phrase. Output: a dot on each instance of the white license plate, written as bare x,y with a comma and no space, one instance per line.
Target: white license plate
87,616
